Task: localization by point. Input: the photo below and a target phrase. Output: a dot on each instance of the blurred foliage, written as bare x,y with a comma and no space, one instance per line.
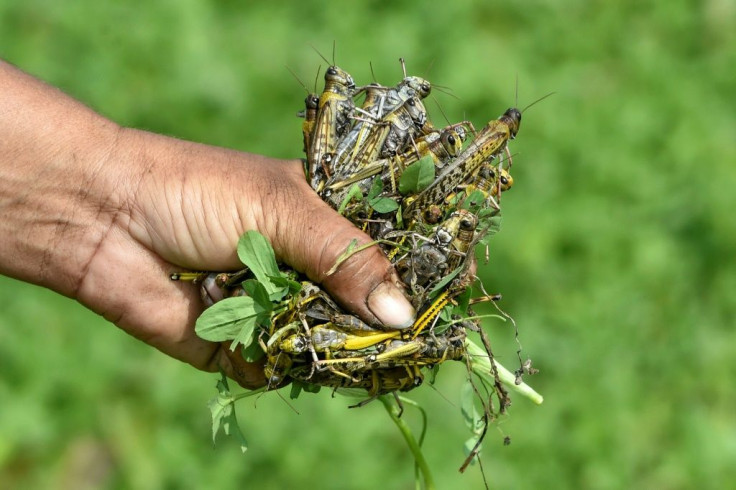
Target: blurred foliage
616,255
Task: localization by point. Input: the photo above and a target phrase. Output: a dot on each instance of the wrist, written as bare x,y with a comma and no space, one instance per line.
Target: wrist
56,195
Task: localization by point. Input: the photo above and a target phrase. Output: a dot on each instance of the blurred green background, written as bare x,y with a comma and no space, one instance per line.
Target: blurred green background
616,256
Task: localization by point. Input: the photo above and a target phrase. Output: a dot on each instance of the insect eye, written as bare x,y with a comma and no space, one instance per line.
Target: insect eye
331,71
504,180
451,139
411,102
466,225
426,88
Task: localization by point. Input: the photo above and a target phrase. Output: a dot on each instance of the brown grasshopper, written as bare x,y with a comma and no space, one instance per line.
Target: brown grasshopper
333,119
490,142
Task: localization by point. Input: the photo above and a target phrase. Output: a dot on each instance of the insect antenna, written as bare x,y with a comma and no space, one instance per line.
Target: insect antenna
370,63
319,67
429,68
298,79
445,90
403,66
287,402
320,54
538,100
441,110
441,395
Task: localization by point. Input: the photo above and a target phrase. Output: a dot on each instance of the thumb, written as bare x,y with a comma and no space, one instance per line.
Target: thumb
310,236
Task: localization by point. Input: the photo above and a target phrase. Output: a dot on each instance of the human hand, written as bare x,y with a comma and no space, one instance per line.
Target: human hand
190,205
115,211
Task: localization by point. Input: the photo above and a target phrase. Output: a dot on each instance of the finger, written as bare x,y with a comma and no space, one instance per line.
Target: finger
311,236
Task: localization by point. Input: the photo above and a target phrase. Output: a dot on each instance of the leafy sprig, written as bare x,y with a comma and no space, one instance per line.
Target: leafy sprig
239,318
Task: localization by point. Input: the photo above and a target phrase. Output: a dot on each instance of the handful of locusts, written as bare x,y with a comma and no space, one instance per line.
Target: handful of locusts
428,196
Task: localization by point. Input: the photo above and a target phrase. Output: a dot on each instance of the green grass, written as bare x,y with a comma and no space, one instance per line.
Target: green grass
615,257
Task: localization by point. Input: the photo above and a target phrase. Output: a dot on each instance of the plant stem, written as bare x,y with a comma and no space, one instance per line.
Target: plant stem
246,394
393,412
481,366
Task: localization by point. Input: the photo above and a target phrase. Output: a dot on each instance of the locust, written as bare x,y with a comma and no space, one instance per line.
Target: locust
441,146
456,235
370,111
376,382
490,180
490,142
387,136
310,119
309,113
328,337
332,121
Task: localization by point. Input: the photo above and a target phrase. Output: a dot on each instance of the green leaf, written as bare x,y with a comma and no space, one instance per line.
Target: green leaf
463,302
256,253
453,201
446,312
257,291
444,282
290,285
247,332
252,352
352,246
383,204
474,201
471,416
231,427
445,318
380,204
417,176
489,223
296,389
312,388
221,406
468,446
226,319
353,193
376,188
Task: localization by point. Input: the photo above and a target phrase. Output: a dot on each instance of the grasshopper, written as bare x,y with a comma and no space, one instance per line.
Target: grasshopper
310,119
309,113
490,142
425,265
326,338
410,86
333,119
456,234
394,355
376,382
436,349
441,145
390,132
387,137
372,110
278,363
378,102
490,181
